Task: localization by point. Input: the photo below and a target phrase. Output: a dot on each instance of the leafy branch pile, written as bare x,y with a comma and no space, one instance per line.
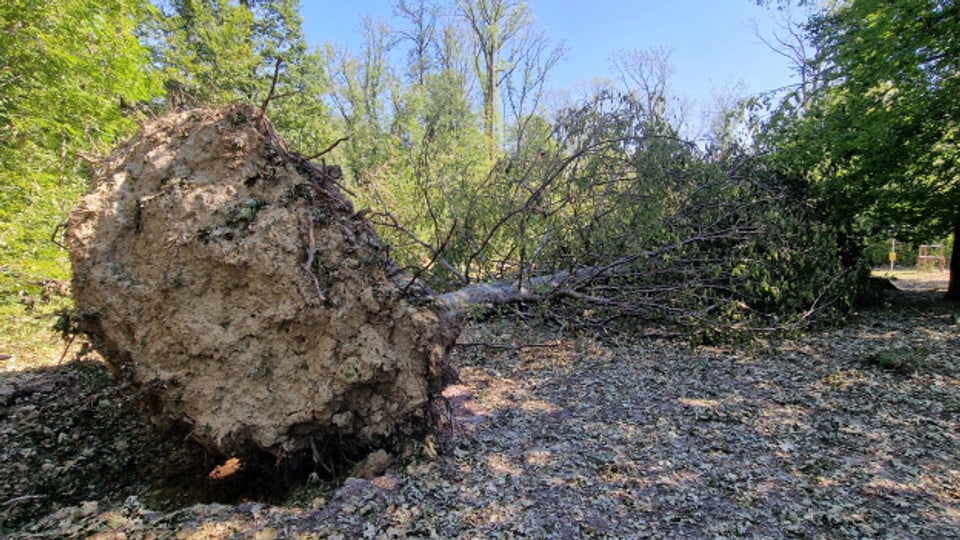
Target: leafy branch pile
620,219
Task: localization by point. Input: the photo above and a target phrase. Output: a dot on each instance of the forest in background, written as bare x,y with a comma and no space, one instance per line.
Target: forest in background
446,145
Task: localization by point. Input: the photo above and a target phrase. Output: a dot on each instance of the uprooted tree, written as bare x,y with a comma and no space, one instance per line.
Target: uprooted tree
232,282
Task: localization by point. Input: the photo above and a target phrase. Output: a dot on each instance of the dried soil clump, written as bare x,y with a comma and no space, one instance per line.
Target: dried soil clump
232,283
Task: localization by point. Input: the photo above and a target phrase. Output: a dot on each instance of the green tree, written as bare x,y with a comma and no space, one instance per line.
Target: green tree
422,36
213,52
362,84
207,52
879,141
415,148
493,23
71,73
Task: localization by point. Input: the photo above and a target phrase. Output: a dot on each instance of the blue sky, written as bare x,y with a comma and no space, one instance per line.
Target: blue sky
711,41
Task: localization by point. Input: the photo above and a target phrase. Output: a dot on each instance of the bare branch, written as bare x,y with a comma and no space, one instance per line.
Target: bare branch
273,86
395,224
436,255
328,149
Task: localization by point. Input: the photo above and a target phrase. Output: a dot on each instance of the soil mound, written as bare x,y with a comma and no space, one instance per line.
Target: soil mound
231,282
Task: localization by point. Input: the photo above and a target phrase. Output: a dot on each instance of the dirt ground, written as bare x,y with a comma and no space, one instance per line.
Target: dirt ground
849,432
911,280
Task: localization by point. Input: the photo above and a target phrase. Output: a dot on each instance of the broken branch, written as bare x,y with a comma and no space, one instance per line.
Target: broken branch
328,149
273,86
436,255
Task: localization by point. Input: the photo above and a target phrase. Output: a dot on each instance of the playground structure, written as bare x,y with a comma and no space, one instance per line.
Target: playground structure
931,256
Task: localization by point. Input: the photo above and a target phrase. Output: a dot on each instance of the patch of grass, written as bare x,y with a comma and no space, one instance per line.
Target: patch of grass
898,359
29,338
909,274
32,294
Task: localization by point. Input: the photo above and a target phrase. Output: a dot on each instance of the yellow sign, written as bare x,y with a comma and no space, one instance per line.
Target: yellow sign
893,257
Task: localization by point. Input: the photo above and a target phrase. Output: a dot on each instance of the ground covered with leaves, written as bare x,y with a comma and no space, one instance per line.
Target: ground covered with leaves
844,433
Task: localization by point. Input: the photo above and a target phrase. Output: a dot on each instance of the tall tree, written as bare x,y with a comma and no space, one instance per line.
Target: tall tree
790,41
362,86
72,71
494,24
533,60
880,139
647,73
218,51
207,51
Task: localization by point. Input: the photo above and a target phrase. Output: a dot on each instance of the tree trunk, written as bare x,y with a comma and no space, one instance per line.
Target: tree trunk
490,101
506,292
953,290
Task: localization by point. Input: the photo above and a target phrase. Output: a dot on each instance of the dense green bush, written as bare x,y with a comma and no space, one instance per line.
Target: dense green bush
647,227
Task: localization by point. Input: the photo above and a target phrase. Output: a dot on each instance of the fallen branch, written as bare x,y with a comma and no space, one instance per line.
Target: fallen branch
534,289
23,498
566,283
499,346
273,86
328,149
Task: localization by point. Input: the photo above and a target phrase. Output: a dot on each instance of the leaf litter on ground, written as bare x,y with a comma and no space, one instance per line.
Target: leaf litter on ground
809,437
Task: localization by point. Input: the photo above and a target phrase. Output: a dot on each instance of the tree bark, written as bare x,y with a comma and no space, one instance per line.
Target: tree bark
953,289
490,101
506,292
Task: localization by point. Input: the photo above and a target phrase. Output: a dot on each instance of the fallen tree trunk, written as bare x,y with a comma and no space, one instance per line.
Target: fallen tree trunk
534,289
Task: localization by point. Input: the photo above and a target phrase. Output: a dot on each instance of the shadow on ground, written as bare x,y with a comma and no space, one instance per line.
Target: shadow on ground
575,437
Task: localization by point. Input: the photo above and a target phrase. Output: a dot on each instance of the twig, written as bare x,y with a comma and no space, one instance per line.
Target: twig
507,347
67,348
61,227
328,149
23,498
273,86
323,171
318,458
395,224
283,95
89,158
433,259
309,264
316,187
